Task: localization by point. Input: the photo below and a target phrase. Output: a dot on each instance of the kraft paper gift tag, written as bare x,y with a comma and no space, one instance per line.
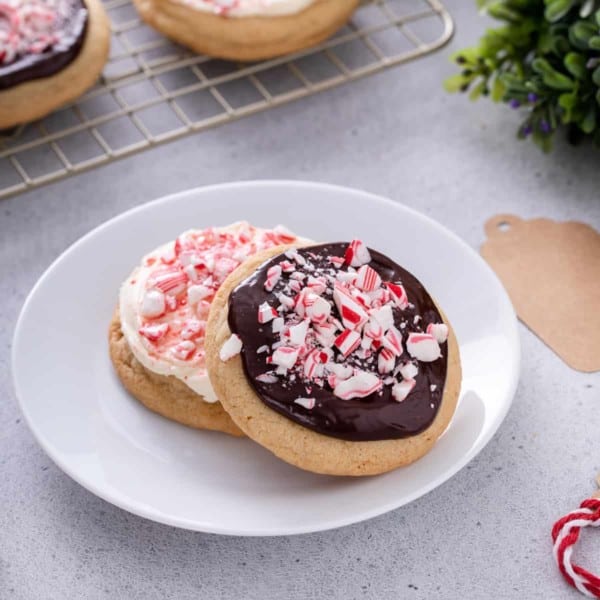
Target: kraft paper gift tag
552,274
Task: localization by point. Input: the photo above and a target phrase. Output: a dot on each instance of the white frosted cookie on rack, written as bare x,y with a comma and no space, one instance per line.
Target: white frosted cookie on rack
246,30
51,51
156,336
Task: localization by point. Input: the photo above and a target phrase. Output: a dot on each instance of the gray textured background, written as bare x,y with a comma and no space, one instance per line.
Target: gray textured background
483,534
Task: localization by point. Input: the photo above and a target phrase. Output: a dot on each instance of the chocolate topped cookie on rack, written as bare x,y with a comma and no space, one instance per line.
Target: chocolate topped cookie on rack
51,51
333,357
246,30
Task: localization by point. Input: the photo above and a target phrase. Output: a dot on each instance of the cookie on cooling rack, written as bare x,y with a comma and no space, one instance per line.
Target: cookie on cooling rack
334,358
51,51
246,30
156,336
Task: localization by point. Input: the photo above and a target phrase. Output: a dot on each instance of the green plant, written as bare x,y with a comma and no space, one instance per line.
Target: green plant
544,61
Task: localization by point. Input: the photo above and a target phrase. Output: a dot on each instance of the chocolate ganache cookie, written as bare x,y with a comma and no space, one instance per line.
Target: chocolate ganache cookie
333,357
51,51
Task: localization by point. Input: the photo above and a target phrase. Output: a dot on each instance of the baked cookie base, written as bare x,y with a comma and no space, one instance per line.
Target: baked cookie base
294,443
34,99
246,38
163,394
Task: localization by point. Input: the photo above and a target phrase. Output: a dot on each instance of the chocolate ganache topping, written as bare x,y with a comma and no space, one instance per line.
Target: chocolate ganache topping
39,38
342,340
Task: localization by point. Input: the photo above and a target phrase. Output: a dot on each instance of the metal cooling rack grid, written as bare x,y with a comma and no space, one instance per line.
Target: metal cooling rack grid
153,91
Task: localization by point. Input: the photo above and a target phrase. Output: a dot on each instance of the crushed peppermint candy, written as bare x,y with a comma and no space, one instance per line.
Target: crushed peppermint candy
29,27
180,283
339,326
231,348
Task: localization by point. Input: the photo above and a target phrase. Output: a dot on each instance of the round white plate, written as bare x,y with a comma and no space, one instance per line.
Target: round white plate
207,481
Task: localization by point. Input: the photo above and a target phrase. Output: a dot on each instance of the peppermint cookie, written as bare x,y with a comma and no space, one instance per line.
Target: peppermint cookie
51,51
156,337
334,358
246,30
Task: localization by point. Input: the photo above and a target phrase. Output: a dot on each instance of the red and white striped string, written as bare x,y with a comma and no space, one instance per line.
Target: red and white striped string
565,534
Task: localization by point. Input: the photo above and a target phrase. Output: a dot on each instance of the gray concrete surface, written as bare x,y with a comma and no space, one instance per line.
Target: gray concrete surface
483,534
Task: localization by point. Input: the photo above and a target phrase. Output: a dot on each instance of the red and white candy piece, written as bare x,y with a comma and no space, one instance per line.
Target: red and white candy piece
408,370
402,389
267,378
423,347
336,261
296,334
325,334
384,316
318,311
231,347
170,282
308,403
313,365
183,350
193,329
439,331
285,357
196,293
352,313
273,276
154,332
340,371
392,340
277,324
357,254
347,342
398,294
373,330
358,386
153,304
367,279
386,361
266,313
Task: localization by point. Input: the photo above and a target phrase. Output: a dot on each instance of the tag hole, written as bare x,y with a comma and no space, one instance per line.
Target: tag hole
504,226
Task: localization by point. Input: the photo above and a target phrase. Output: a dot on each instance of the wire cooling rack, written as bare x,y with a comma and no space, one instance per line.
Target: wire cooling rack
153,91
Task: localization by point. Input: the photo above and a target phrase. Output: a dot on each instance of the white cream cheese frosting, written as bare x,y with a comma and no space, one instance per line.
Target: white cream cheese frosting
164,303
250,8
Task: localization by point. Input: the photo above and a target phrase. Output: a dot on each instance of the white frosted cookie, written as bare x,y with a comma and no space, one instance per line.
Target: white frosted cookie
157,333
246,30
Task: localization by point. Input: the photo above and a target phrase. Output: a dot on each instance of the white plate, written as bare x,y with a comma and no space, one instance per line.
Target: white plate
206,481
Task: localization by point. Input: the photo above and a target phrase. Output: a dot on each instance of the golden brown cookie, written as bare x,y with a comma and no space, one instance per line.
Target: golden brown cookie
163,394
246,38
36,98
294,443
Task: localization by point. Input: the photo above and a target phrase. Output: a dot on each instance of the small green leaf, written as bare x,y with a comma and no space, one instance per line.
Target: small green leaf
477,90
556,9
588,124
596,76
594,42
541,66
551,77
586,8
513,83
597,17
498,90
501,11
456,83
581,32
567,101
466,55
598,97
575,64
